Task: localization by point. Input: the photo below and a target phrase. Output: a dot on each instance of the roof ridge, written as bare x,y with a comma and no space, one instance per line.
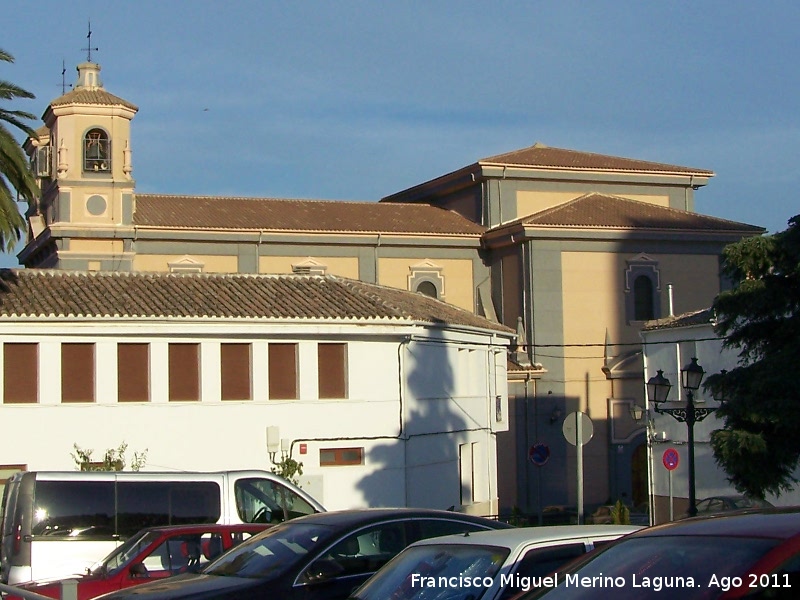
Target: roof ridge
605,162
309,200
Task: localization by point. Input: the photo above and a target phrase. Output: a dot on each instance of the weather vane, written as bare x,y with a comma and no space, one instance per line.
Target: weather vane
89,44
63,78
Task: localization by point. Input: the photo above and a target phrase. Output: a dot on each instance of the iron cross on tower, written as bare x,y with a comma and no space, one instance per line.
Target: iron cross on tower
89,48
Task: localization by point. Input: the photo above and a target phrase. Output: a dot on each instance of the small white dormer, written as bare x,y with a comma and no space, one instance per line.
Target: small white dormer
186,264
310,266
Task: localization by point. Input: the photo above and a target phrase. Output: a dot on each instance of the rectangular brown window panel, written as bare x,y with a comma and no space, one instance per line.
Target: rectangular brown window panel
133,372
20,373
283,372
235,371
77,372
332,365
184,372
332,457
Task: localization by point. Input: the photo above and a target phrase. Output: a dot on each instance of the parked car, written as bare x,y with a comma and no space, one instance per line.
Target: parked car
57,523
488,565
718,504
153,553
753,554
325,555
604,514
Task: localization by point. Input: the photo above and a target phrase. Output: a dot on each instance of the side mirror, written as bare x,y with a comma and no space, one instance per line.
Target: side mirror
138,570
323,569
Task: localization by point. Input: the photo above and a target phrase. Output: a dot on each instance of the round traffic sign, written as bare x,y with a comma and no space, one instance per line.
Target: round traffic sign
575,421
671,459
539,454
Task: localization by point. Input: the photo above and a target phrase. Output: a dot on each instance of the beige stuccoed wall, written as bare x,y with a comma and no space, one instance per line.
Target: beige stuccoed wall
343,266
457,275
530,202
68,133
95,246
594,302
71,128
159,263
694,279
591,299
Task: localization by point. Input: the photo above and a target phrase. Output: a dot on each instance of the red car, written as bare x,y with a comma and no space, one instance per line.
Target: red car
152,553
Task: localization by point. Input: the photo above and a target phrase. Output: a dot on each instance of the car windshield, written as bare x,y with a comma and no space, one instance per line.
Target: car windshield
132,547
270,553
679,567
451,572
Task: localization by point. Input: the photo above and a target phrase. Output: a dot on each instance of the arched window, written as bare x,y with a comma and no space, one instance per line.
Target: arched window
427,288
642,289
427,278
643,299
96,151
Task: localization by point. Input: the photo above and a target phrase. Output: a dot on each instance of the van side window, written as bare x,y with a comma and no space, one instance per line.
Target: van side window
151,503
266,501
82,509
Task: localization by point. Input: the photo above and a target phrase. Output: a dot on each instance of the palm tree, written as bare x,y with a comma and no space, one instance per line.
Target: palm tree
14,171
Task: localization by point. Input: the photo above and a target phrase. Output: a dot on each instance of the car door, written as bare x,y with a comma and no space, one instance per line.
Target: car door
539,562
351,560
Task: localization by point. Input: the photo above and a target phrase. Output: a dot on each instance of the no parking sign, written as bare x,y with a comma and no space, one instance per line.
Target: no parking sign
671,459
539,454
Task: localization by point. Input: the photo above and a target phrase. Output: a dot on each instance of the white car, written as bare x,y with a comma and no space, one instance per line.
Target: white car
487,565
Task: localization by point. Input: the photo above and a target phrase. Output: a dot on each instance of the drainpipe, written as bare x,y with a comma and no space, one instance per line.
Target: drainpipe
376,256
670,300
686,193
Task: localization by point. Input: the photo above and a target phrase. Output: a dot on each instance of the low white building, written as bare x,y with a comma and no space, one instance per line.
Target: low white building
386,397
669,345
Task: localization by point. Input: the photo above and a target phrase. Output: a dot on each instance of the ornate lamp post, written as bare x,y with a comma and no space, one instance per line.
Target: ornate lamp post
658,388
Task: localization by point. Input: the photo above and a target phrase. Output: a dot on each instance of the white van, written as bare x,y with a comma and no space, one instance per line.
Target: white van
56,524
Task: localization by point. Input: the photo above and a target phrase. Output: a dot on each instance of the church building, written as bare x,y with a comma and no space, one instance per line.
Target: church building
574,251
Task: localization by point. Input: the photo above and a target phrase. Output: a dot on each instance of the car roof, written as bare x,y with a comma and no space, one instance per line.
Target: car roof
212,527
350,517
775,523
521,536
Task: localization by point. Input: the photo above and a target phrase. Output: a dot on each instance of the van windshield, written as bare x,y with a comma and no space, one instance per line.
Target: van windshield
261,500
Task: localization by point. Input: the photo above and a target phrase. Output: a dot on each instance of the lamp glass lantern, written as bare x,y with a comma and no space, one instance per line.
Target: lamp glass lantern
720,393
691,375
637,412
658,388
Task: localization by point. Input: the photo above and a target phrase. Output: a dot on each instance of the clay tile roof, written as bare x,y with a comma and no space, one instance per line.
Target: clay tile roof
37,293
92,96
699,317
540,155
204,212
604,211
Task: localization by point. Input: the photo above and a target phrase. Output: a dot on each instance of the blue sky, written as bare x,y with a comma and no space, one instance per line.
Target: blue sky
356,100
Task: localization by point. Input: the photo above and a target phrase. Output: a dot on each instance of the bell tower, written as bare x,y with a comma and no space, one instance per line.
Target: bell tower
83,158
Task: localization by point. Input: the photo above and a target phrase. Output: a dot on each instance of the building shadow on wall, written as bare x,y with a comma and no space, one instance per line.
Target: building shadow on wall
421,467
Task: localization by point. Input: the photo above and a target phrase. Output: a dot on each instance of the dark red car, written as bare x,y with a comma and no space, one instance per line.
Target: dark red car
152,553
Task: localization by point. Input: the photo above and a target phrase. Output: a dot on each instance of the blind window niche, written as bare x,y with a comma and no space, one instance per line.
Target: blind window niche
77,373
133,372
20,373
283,372
332,365
235,371
184,372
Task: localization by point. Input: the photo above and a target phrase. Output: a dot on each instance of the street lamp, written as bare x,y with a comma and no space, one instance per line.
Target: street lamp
658,388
